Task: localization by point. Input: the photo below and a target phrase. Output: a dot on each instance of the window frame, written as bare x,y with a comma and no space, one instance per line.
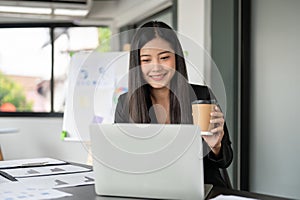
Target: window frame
51,26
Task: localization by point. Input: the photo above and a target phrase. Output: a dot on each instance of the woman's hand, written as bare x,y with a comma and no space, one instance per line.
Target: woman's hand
217,121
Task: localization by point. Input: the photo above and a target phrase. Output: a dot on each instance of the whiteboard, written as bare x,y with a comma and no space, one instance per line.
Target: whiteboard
95,81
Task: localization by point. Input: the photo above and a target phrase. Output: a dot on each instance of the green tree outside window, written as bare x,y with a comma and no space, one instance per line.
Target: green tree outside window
104,35
12,97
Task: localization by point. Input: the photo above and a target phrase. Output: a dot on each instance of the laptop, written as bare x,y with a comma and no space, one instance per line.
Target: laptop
157,161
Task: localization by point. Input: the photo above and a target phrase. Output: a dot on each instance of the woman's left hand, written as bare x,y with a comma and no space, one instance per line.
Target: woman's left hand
217,121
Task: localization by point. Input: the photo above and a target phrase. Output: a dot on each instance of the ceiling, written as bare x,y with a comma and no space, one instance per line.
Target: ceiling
100,12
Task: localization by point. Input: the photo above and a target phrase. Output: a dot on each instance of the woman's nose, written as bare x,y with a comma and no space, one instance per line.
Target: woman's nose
156,65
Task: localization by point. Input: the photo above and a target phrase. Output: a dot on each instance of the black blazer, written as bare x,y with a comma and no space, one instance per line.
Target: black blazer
211,163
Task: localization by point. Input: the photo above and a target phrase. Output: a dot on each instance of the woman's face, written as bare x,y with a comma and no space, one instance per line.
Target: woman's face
157,62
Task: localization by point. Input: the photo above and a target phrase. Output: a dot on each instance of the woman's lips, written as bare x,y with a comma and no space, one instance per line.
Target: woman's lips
158,77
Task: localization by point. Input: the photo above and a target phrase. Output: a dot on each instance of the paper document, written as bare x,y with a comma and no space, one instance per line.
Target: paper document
4,180
59,181
17,191
45,170
29,162
231,197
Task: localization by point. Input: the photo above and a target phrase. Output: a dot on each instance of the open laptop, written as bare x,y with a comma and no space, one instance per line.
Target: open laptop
156,161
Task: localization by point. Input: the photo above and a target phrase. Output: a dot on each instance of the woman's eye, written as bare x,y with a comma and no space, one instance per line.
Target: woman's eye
165,57
145,60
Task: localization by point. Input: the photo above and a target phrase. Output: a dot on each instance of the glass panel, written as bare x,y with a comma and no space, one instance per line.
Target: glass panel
25,70
71,40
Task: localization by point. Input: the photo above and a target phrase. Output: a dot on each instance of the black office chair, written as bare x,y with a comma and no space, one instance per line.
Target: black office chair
226,178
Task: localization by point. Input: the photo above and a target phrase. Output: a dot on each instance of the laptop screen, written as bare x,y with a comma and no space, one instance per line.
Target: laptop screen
148,160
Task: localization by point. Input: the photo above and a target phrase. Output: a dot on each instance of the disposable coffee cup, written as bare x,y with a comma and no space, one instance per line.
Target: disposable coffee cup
201,115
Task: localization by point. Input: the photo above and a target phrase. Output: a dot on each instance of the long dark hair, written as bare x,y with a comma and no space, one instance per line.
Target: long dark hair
139,90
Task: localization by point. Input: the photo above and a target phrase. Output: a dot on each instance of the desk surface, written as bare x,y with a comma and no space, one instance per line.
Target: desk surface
87,192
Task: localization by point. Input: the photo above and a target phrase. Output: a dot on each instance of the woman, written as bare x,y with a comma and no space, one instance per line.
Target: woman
159,92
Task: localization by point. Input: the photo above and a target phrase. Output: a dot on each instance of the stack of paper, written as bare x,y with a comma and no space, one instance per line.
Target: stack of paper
17,190
37,178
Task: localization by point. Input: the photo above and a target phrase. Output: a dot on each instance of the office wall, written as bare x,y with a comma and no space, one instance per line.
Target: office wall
39,137
195,37
275,63
192,25
212,26
223,50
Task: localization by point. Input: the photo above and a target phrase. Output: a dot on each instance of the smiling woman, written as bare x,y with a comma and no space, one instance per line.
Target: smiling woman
159,92
157,63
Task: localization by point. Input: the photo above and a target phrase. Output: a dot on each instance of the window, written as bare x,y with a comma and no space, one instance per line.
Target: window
34,65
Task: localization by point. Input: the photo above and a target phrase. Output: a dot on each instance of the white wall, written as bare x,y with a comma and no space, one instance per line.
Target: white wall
275,62
191,19
39,137
194,33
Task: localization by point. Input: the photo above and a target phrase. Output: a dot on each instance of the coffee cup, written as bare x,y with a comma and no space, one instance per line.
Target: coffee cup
201,110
